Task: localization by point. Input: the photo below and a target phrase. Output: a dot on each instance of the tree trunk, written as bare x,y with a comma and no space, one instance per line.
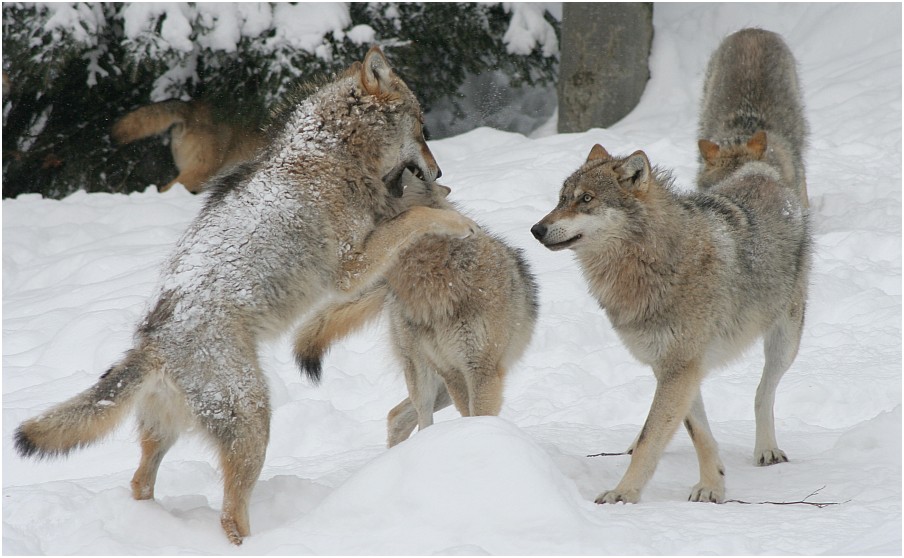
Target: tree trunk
605,62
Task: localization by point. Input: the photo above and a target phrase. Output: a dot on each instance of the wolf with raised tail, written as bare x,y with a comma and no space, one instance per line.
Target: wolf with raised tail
461,312
316,212
752,110
688,281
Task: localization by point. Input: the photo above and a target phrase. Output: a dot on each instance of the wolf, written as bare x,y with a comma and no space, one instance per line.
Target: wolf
752,110
688,281
461,312
316,212
201,143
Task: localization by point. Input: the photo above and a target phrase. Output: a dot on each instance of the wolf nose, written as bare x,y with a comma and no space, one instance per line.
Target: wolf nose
439,172
539,231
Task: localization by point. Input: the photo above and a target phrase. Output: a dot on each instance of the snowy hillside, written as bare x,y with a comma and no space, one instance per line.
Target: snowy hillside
77,274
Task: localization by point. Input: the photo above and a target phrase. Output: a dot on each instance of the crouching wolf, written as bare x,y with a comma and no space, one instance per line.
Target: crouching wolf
461,312
201,143
752,110
312,214
688,282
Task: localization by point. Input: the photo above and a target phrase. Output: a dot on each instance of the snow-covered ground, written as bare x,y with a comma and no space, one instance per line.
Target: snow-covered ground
77,274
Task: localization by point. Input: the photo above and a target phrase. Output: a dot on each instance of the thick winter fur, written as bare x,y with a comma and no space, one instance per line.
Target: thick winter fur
310,215
752,110
688,282
461,312
201,144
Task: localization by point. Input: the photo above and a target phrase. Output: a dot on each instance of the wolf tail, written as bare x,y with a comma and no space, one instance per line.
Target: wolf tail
333,323
150,120
85,418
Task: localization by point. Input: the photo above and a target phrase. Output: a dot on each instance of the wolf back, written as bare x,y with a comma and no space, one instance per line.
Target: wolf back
751,86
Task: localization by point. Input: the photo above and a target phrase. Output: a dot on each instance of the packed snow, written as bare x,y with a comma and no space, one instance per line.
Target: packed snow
78,274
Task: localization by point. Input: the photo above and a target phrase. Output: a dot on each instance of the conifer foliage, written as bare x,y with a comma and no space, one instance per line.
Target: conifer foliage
71,69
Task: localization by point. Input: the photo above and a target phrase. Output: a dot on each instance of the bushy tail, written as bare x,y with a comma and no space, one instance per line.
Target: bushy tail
85,418
150,120
333,323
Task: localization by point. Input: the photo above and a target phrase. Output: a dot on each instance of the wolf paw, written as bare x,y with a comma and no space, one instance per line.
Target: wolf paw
232,530
704,493
455,224
770,457
631,496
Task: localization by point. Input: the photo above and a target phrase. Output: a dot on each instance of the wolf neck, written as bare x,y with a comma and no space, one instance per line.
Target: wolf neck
323,128
632,275
306,134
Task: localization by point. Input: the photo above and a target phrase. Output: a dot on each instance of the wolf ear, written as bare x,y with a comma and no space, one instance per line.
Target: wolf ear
376,74
598,152
634,172
756,145
709,151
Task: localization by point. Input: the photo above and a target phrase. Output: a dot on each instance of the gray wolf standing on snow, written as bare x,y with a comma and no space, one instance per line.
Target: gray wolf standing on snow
461,312
688,282
276,235
202,143
752,110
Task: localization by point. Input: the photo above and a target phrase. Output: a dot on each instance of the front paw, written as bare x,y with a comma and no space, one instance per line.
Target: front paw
629,496
455,224
705,493
769,456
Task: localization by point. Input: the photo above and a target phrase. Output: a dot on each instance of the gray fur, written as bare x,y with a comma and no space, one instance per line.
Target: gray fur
688,281
752,85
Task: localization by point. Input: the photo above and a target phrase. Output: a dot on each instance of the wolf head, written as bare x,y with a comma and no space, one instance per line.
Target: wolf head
420,192
367,116
596,203
717,161
404,123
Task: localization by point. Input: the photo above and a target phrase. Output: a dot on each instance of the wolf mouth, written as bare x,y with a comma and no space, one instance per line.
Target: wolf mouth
393,179
564,244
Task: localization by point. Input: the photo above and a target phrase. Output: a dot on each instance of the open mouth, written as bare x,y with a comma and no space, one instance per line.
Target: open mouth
393,179
564,244
416,171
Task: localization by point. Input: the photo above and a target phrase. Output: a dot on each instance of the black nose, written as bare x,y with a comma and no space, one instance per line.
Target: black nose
539,231
439,171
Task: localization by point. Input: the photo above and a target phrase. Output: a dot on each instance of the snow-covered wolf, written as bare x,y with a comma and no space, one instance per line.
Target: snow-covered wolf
313,213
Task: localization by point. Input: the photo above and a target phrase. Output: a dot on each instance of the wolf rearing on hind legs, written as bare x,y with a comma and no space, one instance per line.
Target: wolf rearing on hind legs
315,212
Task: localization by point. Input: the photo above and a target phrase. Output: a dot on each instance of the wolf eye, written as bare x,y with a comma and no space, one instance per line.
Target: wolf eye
586,198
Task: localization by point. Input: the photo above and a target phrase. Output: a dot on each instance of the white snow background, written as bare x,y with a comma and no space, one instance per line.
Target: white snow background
77,274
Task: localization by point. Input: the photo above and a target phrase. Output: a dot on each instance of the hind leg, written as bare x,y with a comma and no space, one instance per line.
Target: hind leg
402,419
153,447
485,390
781,344
423,387
161,417
458,390
236,415
242,463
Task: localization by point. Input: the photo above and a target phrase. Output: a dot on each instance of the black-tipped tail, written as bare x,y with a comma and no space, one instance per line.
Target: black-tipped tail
24,446
85,418
311,366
